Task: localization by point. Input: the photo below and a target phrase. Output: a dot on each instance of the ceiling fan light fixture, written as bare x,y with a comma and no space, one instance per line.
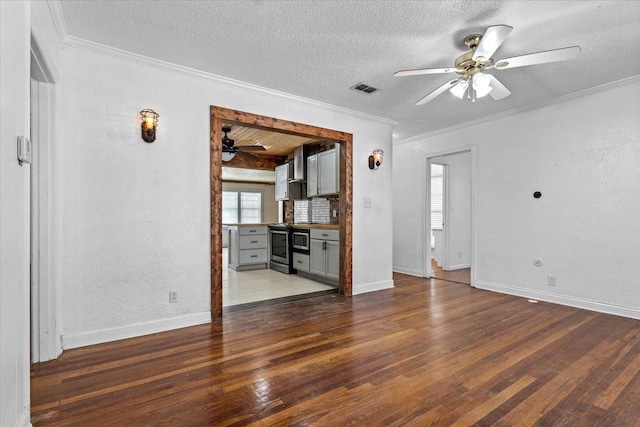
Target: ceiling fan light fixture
481,84
228,156
460,89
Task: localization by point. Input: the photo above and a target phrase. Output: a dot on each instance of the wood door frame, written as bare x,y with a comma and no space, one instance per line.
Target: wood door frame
221,114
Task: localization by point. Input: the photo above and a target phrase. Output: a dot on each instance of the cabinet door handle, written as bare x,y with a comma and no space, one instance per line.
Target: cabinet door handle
324,246
254,241
254,256
325,235
252,231
299,262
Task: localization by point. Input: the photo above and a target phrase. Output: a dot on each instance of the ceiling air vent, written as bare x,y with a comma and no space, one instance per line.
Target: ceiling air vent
361,87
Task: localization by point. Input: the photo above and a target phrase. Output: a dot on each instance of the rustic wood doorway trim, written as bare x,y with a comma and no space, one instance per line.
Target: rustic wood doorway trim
219,115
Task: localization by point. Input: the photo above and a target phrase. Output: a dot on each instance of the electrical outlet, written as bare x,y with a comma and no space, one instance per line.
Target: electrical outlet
368,202
551,280
173,296
459,254
335,213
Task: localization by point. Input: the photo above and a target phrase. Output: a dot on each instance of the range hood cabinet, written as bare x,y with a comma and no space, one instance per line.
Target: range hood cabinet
299,166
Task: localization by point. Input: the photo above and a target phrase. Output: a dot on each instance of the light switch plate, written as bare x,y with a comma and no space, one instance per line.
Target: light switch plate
24,150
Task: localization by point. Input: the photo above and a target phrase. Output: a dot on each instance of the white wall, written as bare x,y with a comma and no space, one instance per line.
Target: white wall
14,215
269,203
136,215
583,154
458,200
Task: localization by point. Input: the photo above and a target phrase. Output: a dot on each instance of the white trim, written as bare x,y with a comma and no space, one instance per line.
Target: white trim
25,418
582,303
135,330
55,7
459,266
408,271
372,287
101,49
40,52
558,100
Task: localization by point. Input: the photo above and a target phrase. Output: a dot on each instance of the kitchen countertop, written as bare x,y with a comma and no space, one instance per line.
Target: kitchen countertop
323,226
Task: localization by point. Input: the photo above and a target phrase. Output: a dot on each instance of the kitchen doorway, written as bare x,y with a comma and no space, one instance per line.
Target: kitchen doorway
448,241
218,115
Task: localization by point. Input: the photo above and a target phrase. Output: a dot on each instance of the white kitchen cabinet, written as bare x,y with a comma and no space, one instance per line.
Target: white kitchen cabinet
324,260
323,173
247,247
301,262
312,175
332,250
286,190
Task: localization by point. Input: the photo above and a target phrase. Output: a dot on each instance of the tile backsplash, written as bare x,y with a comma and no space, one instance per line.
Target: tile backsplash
317,210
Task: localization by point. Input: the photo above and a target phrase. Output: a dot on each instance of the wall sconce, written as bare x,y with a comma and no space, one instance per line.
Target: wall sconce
375,159
149,124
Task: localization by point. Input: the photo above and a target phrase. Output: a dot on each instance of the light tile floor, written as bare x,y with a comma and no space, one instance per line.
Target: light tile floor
242,287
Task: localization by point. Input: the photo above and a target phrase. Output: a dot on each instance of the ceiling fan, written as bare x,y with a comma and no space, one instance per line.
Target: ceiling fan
472,64
229,149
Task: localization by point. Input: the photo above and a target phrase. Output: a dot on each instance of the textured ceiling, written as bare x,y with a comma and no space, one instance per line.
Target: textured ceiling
319,49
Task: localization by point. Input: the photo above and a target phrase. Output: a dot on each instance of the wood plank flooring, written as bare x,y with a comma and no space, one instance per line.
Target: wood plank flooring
462,275
428,352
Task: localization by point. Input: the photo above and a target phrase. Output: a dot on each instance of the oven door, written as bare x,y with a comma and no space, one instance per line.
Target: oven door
300,240
279,246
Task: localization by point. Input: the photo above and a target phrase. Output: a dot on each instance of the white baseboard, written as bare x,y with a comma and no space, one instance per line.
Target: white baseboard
136,330
371,287
409,271
459,266
600,307
25,419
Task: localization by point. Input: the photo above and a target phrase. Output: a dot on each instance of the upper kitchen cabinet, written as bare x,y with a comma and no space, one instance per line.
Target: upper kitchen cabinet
312,175
285,189
323,173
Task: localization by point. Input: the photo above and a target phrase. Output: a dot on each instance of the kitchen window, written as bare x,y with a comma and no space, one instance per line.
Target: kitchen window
241,207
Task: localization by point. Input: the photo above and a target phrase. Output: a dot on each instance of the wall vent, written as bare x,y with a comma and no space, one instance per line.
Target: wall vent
361,87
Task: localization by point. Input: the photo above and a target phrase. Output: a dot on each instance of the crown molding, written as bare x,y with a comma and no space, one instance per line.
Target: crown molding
55,7
529,107
102,49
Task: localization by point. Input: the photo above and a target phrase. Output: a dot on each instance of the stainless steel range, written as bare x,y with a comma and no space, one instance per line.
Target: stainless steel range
280,258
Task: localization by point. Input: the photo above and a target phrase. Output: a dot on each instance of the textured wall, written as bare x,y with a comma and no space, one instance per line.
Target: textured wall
136,215
583,154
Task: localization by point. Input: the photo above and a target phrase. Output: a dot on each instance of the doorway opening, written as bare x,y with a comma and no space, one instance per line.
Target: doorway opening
449,225
45,337
220,115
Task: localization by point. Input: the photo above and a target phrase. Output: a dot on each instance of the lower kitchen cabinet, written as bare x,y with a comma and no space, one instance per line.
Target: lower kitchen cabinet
247,247
324,260
301,262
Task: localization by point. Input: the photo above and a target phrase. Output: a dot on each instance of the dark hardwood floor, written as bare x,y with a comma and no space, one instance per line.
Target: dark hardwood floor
462,275
428,352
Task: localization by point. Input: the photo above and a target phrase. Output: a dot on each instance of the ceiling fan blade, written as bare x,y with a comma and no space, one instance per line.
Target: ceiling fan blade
498,90
251,148
491,41
556,55
438,91
421,71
